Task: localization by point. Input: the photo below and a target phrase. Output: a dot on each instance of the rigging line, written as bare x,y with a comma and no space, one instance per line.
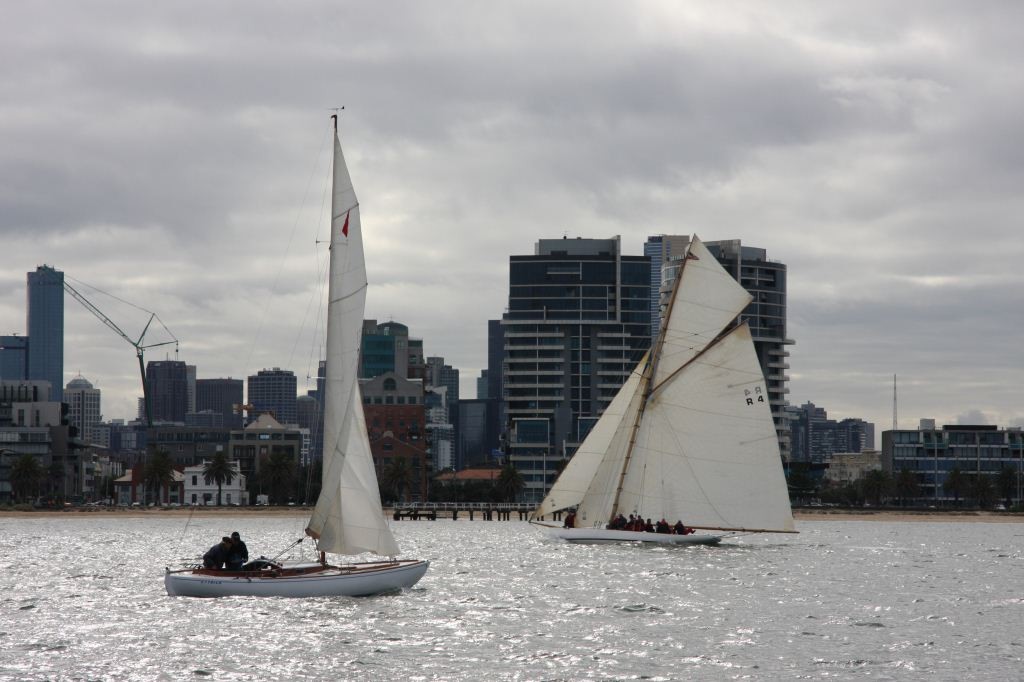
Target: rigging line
291,236
181,538
121,300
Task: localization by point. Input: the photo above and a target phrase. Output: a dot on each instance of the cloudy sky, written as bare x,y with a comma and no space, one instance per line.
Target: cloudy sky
176,157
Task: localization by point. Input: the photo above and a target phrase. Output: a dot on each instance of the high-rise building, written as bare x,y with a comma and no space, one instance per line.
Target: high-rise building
46,328
190,378
274,391
167,381
495,357
814,436
13,358
661,249
83,407
223,396
578,322
766,315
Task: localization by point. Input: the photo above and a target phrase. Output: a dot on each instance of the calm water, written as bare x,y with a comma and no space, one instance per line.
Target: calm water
83,598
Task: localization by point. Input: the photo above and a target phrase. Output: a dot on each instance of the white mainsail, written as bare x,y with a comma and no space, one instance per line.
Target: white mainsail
348,518
690,434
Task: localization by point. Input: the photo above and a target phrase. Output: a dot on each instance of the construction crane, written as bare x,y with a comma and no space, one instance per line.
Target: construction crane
137,344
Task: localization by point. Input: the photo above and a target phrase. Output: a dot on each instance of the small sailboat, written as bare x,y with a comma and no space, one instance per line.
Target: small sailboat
348,518
689,437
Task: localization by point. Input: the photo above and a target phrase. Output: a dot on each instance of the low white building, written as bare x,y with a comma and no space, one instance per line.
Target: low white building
848,467
198,491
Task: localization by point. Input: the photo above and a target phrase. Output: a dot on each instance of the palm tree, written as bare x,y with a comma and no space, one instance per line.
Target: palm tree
906,485
278,474
25,476
158,472
396,478
219,470
956,484
510,483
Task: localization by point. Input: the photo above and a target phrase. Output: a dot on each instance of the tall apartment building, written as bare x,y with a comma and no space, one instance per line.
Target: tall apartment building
46,328
223,396
13,358
814,436
83,407
274,391
661,249
766,315
167,381
578,322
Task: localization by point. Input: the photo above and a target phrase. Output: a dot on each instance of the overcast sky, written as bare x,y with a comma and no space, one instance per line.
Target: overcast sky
176,157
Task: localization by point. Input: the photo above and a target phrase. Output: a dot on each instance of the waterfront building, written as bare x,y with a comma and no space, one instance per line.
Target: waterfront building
83,402
578,322
187,445
846,468
13,358
259,441
199,491
46,328
223,396
273,392
167,382
396,424
931,453
131,488
813,436
766,315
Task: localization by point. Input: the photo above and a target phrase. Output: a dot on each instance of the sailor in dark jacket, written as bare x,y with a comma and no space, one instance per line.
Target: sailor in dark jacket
238,555
217,555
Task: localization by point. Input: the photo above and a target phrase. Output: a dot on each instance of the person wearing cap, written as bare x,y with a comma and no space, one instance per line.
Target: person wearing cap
238,554
217,555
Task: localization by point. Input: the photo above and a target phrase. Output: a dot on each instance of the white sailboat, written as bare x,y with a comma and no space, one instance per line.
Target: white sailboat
689,437
348,518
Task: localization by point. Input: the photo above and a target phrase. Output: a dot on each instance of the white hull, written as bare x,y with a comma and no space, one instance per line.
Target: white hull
355,580
603,536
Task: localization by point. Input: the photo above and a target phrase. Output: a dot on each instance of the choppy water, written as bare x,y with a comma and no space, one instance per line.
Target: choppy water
83,598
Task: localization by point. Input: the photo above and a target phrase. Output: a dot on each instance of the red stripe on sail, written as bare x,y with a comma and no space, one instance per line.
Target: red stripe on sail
344,228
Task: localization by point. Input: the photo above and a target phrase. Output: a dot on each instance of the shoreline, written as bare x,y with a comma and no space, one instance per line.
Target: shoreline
801,514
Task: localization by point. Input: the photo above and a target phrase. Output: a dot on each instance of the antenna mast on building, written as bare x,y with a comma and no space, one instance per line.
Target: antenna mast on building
894,402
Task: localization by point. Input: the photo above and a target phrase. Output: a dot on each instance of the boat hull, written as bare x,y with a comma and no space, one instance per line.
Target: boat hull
355,580
605,536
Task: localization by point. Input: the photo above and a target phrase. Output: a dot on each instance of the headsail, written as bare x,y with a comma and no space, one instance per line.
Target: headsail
593,453
707,300
348,518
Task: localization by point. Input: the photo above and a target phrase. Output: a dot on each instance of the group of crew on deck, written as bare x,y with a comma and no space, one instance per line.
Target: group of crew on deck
637,524
230,553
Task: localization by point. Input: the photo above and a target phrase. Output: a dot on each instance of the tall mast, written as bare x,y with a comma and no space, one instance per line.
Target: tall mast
645,388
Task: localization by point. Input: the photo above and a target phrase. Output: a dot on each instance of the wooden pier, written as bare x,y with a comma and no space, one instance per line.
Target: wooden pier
486,511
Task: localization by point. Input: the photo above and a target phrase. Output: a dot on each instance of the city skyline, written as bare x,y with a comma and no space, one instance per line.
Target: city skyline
866,149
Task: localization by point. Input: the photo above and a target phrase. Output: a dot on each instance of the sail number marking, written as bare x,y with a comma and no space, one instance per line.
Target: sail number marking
753,396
